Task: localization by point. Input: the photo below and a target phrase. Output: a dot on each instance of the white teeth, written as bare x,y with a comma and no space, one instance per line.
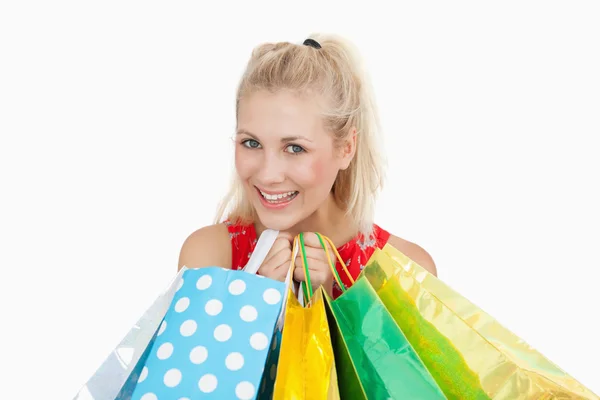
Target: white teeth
273,197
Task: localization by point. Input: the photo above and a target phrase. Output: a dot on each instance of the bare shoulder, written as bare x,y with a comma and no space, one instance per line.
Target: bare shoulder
414,252
206,247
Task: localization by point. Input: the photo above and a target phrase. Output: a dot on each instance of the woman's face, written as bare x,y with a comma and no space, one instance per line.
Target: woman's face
285,159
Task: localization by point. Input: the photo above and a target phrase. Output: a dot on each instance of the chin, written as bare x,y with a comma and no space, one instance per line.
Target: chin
277,222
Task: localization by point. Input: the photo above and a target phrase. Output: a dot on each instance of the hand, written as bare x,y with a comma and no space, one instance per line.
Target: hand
277,262
318,266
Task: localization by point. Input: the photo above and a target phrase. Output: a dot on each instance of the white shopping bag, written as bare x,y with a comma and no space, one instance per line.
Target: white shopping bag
118,367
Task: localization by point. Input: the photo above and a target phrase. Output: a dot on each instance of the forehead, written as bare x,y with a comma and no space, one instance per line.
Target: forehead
282,113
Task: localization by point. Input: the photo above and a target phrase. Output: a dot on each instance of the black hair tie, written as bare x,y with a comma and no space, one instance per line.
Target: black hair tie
312,43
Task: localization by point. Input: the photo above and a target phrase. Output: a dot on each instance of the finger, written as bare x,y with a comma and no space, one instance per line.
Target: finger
279,265
283,257
312,240
318,270
278,275
279,245
299,275
286,235
316,278
280,272
318,254
268,266
314,247
316,262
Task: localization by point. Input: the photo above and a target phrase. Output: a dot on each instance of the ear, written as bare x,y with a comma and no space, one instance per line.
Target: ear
348,149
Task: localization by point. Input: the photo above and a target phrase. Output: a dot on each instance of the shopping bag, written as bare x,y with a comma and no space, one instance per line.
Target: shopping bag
374,358
350,385
306,368
216,337
117,375
469,353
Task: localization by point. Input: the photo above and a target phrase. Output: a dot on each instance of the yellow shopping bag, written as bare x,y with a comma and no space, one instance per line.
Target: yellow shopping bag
470,355
306,368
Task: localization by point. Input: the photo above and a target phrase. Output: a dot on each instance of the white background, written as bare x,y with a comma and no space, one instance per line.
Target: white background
116,116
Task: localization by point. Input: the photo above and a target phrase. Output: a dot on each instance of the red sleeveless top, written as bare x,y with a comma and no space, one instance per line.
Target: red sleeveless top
356,253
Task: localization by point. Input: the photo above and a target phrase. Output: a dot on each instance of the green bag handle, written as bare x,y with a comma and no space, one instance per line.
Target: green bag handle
307,285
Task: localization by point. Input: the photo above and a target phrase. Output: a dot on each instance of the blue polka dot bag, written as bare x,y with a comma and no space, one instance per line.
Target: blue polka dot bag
215,338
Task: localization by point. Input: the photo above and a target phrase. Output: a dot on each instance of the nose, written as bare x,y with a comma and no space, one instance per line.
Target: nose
271,170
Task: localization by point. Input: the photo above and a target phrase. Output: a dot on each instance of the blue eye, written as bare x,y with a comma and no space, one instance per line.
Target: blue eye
251,144
294,149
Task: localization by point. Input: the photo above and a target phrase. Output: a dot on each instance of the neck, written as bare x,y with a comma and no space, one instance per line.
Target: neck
329,220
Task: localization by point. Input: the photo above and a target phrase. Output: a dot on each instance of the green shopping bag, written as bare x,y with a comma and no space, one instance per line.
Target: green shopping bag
374,359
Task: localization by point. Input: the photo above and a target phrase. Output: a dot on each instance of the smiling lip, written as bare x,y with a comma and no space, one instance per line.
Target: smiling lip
276,200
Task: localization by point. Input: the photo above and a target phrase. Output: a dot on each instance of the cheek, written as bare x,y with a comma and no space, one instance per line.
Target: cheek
314,172
245,163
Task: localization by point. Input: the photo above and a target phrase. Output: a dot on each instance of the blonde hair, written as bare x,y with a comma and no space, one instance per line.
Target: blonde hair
336,72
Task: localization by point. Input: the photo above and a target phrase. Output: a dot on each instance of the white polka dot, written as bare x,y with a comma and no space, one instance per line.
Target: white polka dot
198,354
273,372
164,351
180,285
208,383
149,396
172,377
162,328
248,313
237,287
184,398
259,341
234,361
182,304
188,328
204,282
213,307
223,333
244,391
143,375
271,296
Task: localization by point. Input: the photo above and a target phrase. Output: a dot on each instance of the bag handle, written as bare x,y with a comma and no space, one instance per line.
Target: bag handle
262,248
332,266
289,285
306,284
264,244
307,291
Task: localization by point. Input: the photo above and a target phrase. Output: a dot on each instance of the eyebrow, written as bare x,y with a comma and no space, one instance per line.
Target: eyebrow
283,139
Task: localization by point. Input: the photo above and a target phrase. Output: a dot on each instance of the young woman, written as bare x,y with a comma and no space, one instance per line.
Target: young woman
306,160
